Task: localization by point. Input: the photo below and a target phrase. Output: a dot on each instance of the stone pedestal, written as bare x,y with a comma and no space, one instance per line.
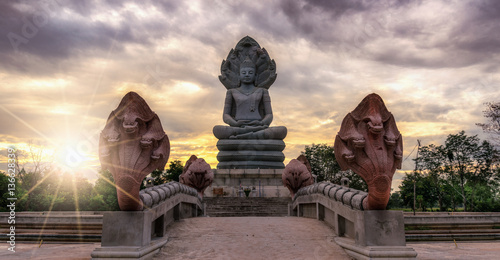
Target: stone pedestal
267,183
127,235
250,154
364,234
141,234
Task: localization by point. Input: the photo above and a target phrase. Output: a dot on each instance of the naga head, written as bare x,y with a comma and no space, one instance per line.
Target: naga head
197,174
132,145
370,144
297,174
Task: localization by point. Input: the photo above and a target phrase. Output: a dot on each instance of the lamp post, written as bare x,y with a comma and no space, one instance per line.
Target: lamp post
415,181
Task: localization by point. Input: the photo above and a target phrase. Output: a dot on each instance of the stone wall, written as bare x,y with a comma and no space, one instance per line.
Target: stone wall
267,182
364,234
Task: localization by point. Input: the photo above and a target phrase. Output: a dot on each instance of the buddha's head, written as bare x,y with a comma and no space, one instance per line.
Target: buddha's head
247,71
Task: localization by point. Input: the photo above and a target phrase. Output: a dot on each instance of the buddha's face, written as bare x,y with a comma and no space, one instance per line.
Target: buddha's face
247,75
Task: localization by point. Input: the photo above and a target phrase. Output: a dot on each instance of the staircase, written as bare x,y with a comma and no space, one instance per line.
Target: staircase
55,226
244,207
463,226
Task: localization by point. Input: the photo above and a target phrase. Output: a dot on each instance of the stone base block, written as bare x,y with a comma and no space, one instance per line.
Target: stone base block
375,252
250,154
250,144
250,165
382,228
267,183
126,228
129,252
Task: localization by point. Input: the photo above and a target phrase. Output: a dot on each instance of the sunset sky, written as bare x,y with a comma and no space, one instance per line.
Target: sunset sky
65,65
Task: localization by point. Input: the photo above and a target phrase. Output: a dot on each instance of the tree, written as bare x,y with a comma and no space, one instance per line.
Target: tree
4,190
458,172
325,166
104,192
395,201
492,113
174,170
431,161
159,177
425,190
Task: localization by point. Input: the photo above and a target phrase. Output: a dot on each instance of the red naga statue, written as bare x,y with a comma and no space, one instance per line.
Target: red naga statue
132,145
370,144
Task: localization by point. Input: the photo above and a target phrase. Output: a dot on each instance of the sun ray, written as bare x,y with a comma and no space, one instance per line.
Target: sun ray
50,209
26,124
45,176
122,190
77,206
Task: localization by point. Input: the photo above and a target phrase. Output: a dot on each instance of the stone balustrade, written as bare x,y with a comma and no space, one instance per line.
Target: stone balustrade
141,234
347,196
155,195
364,234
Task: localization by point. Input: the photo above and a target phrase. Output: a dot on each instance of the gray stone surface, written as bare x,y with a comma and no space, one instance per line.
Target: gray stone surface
247,74
140,234
251,238
350,197
426,251
384,228
365,234
126,228
267,182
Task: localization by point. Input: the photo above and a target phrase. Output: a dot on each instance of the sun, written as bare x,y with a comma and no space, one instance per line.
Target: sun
71,159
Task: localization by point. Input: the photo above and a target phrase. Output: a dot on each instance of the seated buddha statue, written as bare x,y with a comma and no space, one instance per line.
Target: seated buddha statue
248,141
247,110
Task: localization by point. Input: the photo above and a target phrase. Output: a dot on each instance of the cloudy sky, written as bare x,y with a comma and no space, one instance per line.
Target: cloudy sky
65,65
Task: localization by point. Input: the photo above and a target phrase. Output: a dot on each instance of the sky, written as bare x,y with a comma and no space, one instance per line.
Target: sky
65,65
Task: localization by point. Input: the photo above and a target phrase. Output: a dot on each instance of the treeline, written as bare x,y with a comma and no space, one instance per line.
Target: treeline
462,173
55,190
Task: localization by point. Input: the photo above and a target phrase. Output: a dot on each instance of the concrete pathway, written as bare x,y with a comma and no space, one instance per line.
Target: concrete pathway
272,238
251,238
460,251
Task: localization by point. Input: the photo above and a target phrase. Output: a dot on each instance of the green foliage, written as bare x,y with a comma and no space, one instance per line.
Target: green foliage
425,196
106,192
395,201
174,170
464,171
325,166
160,177
4,190
60,191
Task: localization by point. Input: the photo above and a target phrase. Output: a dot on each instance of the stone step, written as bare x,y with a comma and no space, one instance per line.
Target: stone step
452,237
53,231
241,207
453,231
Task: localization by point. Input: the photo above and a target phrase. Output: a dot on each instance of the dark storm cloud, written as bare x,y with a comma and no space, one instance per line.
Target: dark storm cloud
472,38
381,30
413,111
43,34
480,31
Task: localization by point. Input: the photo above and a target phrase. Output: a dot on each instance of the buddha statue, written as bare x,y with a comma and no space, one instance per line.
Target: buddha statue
248,141
247,110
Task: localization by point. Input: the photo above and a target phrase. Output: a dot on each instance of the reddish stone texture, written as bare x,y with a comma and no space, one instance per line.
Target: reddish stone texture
370,144
297,174
132,145
197,174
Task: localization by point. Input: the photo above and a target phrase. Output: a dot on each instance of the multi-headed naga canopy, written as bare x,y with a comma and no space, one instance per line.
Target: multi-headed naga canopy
132,145
370,144
248,48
